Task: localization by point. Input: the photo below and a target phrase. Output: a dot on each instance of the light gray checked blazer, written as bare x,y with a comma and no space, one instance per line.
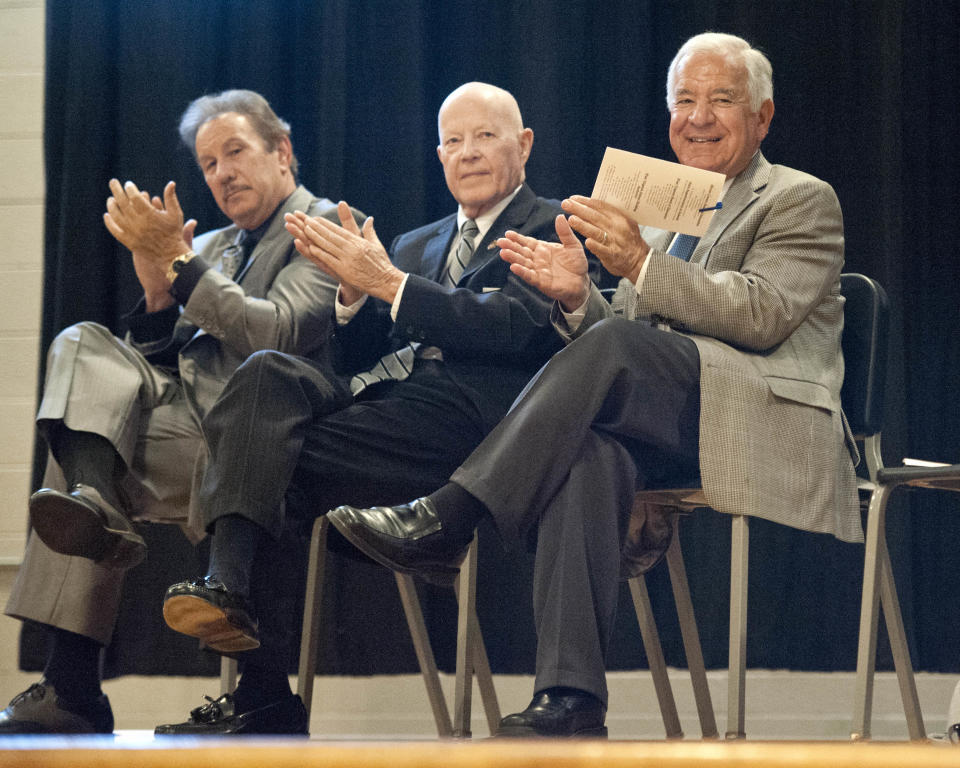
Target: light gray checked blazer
761,299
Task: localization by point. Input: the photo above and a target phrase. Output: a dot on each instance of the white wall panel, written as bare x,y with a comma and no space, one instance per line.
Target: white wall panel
21,256
21,232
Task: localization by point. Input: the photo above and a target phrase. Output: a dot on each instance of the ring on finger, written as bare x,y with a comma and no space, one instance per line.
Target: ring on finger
604,240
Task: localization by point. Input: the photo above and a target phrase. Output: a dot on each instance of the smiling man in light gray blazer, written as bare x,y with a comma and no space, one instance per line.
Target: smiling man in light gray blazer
725,362
122,416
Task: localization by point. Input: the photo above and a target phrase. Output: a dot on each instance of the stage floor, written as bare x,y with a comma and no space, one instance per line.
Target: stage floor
131,749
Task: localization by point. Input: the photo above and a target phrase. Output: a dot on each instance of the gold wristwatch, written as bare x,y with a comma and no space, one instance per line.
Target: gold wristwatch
177,264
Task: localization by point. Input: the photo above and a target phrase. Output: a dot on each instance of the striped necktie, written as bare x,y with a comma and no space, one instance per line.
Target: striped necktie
396,366
461,257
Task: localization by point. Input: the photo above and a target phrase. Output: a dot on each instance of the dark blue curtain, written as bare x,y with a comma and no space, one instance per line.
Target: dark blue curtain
866,99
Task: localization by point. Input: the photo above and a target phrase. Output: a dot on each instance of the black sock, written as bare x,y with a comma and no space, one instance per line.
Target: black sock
88,458
232,549
260,686
458,510
73,665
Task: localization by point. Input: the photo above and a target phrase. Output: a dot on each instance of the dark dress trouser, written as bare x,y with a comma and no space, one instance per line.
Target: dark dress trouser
616,410
288,443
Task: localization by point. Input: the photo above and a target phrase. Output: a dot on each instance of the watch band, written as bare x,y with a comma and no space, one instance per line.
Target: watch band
177,264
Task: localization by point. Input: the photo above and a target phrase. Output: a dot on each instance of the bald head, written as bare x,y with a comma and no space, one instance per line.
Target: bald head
495,99
483,145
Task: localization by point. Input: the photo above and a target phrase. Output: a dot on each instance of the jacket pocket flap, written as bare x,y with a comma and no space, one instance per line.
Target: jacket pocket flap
806,392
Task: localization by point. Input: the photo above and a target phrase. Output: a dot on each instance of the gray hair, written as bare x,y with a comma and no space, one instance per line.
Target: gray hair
736,51
250,104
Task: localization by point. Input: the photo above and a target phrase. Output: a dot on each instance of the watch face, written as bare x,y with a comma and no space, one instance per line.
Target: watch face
180,261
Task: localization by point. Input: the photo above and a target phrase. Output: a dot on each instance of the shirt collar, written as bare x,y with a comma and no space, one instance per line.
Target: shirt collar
485,220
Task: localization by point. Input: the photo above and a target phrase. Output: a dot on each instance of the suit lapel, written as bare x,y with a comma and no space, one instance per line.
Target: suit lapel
435,252
514,216
741,195
276,239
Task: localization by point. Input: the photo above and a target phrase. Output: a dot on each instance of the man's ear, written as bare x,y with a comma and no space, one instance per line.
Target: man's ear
526,143
765,116
285,150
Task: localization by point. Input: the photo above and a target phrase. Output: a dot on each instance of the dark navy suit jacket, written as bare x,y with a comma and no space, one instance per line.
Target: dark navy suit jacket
494,329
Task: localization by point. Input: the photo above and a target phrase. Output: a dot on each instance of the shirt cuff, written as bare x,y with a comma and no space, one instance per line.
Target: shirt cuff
146,327
187,279
344,312
575,318
395,307
643,273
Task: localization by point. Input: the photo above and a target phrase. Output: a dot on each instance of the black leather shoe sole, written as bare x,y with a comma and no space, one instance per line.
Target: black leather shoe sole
74,525
529,732
223,628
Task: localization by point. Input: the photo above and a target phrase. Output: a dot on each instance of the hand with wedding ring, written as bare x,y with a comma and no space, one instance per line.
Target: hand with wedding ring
610,234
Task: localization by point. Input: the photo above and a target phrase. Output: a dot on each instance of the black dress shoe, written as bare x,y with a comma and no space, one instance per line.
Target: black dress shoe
203,608
82,524
558,713
40,710
407,538
219,717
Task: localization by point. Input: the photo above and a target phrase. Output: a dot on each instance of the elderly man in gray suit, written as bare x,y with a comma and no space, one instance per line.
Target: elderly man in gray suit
122,416
725,361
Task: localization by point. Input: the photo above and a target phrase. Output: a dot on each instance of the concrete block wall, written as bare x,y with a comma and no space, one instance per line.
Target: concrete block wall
21,275
21,257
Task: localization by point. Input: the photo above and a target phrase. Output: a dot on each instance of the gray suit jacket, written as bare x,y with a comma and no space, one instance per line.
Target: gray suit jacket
761,299
279,301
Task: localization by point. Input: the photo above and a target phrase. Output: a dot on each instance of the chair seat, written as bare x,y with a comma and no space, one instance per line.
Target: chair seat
689,497
945,478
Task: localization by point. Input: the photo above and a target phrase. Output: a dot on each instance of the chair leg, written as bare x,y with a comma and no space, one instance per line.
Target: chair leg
466,586
654,650
472,646
691,637
737,672
898,644
869,616
313,597
481,668
421,645
228,675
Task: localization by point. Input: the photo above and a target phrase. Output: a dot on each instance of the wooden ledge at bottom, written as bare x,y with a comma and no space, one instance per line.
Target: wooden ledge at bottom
93,752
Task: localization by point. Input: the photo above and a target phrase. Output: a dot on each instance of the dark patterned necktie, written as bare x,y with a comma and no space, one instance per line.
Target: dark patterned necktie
235,256
683,246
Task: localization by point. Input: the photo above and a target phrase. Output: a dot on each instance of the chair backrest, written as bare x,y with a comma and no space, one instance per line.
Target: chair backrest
865,327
